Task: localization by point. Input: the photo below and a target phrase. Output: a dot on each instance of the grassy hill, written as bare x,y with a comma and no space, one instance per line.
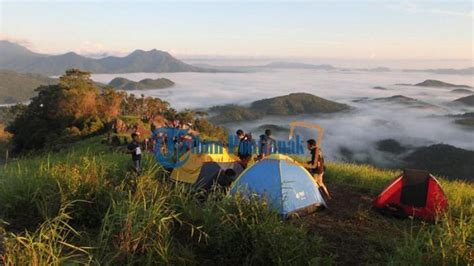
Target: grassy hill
291,104
468,100
83,205
126,84
16,87
437,83
444,160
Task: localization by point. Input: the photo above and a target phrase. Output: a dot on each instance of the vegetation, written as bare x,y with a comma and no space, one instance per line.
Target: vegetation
468,100
83,205
401,99
16,87
292,104
391,146
126,84
437,83
444,160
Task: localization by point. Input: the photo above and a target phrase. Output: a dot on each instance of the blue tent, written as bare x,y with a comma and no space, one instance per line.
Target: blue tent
288,187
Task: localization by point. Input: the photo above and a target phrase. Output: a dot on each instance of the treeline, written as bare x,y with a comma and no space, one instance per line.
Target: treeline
76,108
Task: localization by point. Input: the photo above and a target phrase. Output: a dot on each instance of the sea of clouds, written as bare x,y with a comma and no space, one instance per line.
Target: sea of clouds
356,130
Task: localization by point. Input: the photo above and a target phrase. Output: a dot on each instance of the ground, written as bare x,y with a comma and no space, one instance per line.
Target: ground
350,224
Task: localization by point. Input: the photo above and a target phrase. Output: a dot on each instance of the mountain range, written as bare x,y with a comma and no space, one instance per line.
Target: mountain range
18,58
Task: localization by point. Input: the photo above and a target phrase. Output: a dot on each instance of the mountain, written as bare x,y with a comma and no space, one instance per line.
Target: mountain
126,84
439,84
468,100
407,101
292,104
466,120
448,71
18,58
442,159
464,91
16,87
297,65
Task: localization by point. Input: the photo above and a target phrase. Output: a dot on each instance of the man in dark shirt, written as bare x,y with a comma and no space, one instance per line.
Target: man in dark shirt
135,150
267,144
317,167
244,151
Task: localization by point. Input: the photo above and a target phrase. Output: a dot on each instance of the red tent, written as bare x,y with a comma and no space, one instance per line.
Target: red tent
414,193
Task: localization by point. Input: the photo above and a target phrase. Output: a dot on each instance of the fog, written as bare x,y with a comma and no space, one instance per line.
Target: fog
355,130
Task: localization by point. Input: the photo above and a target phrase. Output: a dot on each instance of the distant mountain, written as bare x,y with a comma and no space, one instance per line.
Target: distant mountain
468,100
440,84
126,84
16,87
390,146
465,91
442,159
466,119
407,101
298,65
18,58
375,69
379,88
292,104
449,71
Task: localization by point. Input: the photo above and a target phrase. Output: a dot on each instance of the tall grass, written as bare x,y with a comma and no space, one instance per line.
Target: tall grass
124,218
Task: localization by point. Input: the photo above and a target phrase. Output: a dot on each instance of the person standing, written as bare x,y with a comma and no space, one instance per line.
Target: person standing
244,151
135,150
317,167
267,144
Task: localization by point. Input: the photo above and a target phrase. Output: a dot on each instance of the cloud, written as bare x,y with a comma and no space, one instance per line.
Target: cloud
95,49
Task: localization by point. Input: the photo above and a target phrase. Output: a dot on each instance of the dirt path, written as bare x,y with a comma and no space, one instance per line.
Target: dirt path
352,230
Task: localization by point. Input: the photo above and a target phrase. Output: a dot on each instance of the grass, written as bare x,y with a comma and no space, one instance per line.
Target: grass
84,205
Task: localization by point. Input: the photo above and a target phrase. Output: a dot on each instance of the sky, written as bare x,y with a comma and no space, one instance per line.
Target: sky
336,29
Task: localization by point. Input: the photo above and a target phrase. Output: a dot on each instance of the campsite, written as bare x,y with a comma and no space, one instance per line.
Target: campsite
236,133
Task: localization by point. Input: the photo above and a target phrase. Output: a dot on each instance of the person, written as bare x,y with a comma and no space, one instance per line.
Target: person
135,150
244,151
317,167
267,144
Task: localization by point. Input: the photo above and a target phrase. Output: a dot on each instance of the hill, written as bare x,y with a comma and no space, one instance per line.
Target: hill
445,160
439,84
406,101
468,100
125,218
292,104
448,71
20,59
466,120
126,84
464,91
16,87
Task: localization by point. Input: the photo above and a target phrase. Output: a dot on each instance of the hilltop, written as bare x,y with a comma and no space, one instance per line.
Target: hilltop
468,100
406,101
16,87
448,71
18,58
291,104
463,91
126,84
439,84
280,64
445,160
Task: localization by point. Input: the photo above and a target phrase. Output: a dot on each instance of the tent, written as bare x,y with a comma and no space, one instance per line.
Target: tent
203,170
288,187
414,193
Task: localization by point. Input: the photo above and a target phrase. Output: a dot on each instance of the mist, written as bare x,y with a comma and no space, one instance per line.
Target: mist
356,130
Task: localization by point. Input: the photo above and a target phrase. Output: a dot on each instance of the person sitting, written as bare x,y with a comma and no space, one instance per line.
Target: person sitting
244,151
317,167
136,152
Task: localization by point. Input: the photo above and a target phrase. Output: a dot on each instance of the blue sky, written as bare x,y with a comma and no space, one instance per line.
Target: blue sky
337,29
